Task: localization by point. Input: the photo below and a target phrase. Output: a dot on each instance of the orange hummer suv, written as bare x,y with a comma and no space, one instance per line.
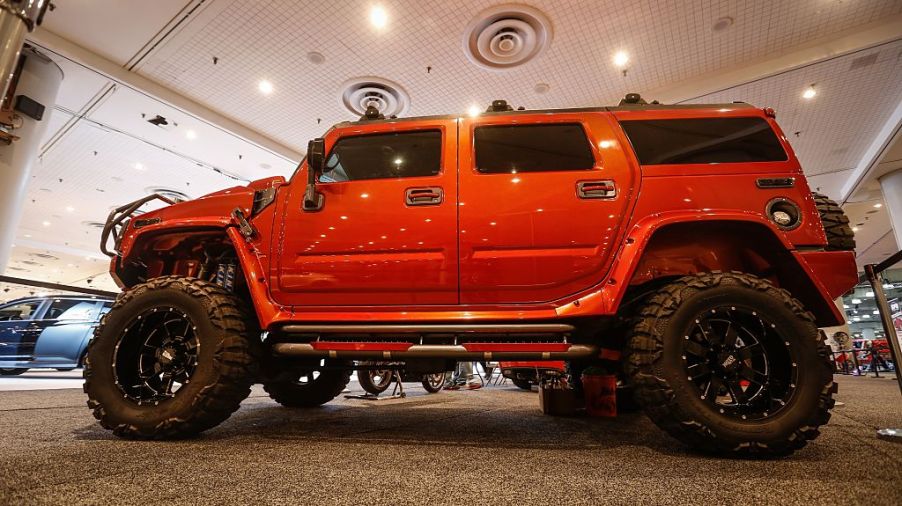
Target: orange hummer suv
681,240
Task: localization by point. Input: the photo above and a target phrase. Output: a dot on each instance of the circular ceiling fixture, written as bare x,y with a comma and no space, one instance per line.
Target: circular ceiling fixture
505,36
388,97
542,88
168,193
315,57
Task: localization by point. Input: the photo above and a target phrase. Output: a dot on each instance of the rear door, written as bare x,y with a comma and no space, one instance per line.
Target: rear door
387,231
67,323
19,330
542,199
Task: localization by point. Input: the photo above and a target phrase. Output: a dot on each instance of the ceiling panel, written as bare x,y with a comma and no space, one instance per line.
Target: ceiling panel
668,42
116,30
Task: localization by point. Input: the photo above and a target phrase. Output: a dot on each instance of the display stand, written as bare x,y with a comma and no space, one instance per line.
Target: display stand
873,273
396,393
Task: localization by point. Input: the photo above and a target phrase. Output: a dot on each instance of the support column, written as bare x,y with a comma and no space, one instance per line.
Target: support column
891,185
40,80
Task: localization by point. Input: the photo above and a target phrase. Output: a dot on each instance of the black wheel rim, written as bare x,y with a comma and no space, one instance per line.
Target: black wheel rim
739,362
156,355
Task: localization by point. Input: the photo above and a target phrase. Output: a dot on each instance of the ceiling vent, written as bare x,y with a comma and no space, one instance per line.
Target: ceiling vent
168,193
505,36
386,96
864,61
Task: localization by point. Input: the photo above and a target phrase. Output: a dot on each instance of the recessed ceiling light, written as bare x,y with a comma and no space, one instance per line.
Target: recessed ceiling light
191,134
809,93
378,17
28,236
139,166
621,58
315,57
70,209
265,87
45,223
854,229
878,205
474,111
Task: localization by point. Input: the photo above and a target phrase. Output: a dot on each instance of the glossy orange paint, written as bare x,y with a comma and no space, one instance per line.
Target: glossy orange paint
497,249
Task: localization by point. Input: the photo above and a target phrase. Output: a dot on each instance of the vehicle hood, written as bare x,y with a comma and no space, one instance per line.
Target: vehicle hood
217,206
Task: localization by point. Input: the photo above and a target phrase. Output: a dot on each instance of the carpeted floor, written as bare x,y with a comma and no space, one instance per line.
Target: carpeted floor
469,447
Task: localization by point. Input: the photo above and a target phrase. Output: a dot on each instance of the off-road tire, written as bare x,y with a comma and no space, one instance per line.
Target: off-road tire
836,224
367,383
227,361
663,391
285,389
524,384
12,372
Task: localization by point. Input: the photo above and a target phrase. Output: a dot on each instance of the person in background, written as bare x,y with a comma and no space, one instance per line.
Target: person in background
465,378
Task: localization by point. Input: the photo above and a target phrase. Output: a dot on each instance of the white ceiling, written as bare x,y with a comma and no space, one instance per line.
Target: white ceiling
174,42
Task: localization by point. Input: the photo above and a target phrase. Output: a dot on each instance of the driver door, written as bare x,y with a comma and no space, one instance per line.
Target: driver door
387,230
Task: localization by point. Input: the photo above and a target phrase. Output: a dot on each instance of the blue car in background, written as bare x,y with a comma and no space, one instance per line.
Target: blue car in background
47,331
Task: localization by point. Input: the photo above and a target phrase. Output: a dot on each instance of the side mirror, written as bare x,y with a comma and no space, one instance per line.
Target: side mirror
316,154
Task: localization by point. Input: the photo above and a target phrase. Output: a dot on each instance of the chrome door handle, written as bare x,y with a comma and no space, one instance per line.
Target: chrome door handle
426,196
599,189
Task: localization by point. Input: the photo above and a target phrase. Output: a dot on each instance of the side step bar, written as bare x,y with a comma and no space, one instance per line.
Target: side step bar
524,328
469,351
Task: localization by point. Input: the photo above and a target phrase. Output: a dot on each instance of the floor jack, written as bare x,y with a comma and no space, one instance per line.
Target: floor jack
396,393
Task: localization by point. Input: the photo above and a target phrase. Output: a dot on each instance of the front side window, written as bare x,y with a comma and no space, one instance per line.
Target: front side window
532,148
83,310
384,156
703,140
20,311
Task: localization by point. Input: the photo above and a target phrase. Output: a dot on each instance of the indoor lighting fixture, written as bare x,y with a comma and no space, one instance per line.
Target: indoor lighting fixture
378,17
139,166
473,111
856,301
878,205
265,87
809,93
45,223
191,134
70,209
854,229
621,59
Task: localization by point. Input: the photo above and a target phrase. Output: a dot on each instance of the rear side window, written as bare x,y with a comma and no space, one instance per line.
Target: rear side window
703,140
532,148
384,156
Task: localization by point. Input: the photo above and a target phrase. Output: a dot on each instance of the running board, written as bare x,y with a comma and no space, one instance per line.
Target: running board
467,351
522,328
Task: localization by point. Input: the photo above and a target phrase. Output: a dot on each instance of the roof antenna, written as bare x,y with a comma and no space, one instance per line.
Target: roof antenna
499,106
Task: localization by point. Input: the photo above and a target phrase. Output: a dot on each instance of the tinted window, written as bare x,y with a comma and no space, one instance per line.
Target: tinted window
705,140
404,154
532,148
69,308
80,311
20,311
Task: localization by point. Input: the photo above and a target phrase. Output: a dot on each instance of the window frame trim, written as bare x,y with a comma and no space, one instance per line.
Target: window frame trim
395,131
597,161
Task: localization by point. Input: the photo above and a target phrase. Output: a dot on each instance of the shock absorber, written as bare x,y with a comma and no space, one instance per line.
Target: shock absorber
225,275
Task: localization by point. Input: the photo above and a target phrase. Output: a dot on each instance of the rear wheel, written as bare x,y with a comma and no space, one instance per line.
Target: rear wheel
726,362
433,383
522,383
173,357
12,372
836,224
310,385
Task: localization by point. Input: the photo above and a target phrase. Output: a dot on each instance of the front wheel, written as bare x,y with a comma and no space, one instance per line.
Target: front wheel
173,357
309,385
727,362
374,381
